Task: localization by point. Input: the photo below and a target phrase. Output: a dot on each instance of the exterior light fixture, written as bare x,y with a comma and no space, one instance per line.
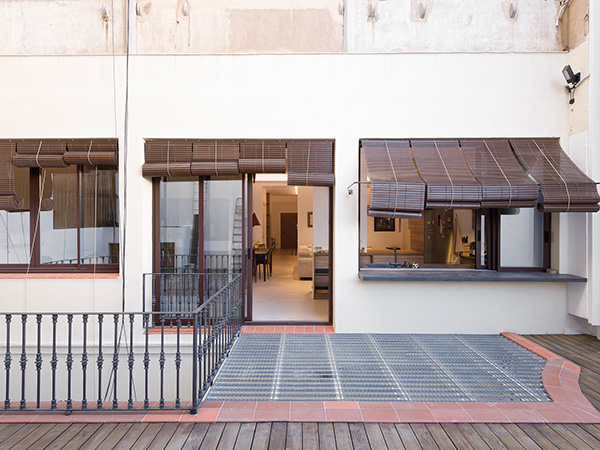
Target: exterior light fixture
105,12
573,80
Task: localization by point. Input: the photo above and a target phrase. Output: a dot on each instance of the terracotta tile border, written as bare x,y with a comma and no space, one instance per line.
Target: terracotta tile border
560,378
287,329
62,276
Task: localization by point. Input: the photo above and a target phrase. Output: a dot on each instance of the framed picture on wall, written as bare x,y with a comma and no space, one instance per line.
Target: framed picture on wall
309,219
384,224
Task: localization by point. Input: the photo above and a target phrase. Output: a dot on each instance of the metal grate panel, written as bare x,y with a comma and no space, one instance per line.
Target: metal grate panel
379,367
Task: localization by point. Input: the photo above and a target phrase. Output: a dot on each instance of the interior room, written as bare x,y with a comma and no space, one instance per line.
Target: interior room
291,225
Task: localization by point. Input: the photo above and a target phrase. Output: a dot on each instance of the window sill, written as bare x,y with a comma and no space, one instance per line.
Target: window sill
464,275
45,276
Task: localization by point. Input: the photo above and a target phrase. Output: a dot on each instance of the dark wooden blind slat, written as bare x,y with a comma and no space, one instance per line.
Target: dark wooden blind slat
564,187
9,201
397,191
167,158
310,163
40,153
450,183
215,158
504,182
262,157
91,152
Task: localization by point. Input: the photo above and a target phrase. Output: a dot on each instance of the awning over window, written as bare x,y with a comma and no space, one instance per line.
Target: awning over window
310,163
215,158
8,200
91,152
504,182
564,187
262,157
40,153
450,183
167,158
396,188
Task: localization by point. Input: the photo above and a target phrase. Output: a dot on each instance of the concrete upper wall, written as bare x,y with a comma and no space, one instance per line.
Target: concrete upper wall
71,27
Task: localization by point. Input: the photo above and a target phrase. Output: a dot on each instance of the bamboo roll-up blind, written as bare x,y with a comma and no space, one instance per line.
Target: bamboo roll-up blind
565,188
310,163
91,152
262,157
397,191
215,158
9,201
167,158
450,183
504,182
40,153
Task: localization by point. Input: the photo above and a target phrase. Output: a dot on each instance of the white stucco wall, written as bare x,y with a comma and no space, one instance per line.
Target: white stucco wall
340,97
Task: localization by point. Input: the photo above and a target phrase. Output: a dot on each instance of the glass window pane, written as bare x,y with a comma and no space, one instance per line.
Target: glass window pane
58,216
178,226
521,238
99,207
14,225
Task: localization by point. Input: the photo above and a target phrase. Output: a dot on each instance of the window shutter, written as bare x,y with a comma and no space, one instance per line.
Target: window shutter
167,158
215,158
8,200
40,153
310,163
397,191
565,188
93,152
504,182
262,157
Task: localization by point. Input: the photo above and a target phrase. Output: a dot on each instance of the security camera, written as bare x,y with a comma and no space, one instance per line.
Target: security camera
572,78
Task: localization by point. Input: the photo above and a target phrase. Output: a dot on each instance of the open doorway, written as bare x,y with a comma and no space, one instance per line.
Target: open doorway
291,224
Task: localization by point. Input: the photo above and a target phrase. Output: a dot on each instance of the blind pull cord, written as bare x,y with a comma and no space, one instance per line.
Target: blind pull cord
88,154
558,173
447,174
37,155
307,164
263,156
395,177
168,157
216,159
503,174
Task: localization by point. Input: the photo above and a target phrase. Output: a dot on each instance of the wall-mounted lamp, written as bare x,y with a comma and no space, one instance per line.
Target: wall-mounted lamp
105,12
573,79
255,221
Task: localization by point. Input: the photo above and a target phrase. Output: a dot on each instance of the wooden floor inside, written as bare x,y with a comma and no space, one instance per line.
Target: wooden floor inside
582,350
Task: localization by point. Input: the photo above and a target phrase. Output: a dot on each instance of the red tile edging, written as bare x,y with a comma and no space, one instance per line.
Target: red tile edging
560,378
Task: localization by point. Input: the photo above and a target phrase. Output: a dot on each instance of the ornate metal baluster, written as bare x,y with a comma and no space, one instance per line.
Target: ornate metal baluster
7,362
53,361
130,362
69,361
100,360
23,361
146,362
161,361
115,362
178,362
84,362
195,355
38,358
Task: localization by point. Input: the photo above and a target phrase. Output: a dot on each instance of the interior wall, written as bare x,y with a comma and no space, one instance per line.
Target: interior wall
281,204
320,218
305,205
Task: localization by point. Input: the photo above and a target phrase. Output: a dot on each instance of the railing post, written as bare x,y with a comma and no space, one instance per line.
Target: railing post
7,362
194,410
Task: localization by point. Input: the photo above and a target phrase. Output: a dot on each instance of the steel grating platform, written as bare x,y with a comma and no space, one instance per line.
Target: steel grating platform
379,367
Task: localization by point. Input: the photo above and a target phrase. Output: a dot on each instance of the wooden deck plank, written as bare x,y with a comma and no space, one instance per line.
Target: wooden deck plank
520,436
592,429
66,436
115,436
181,435
440,436
261,436
392,438
459,440
99,436
310,436
245,436
472,436
407,435
343,439
561,441
229,436
128,439
278,435
43,440
213,436
30,438
80,440
10,430
148,435
536,436
358,433
163,437
293,439
13,439
196,437
375,436
579,432
326,436
488,436
423,436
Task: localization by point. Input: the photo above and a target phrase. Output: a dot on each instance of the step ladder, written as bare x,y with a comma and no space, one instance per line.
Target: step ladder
236,241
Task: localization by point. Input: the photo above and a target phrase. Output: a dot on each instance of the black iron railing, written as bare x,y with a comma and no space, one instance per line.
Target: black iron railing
118,360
